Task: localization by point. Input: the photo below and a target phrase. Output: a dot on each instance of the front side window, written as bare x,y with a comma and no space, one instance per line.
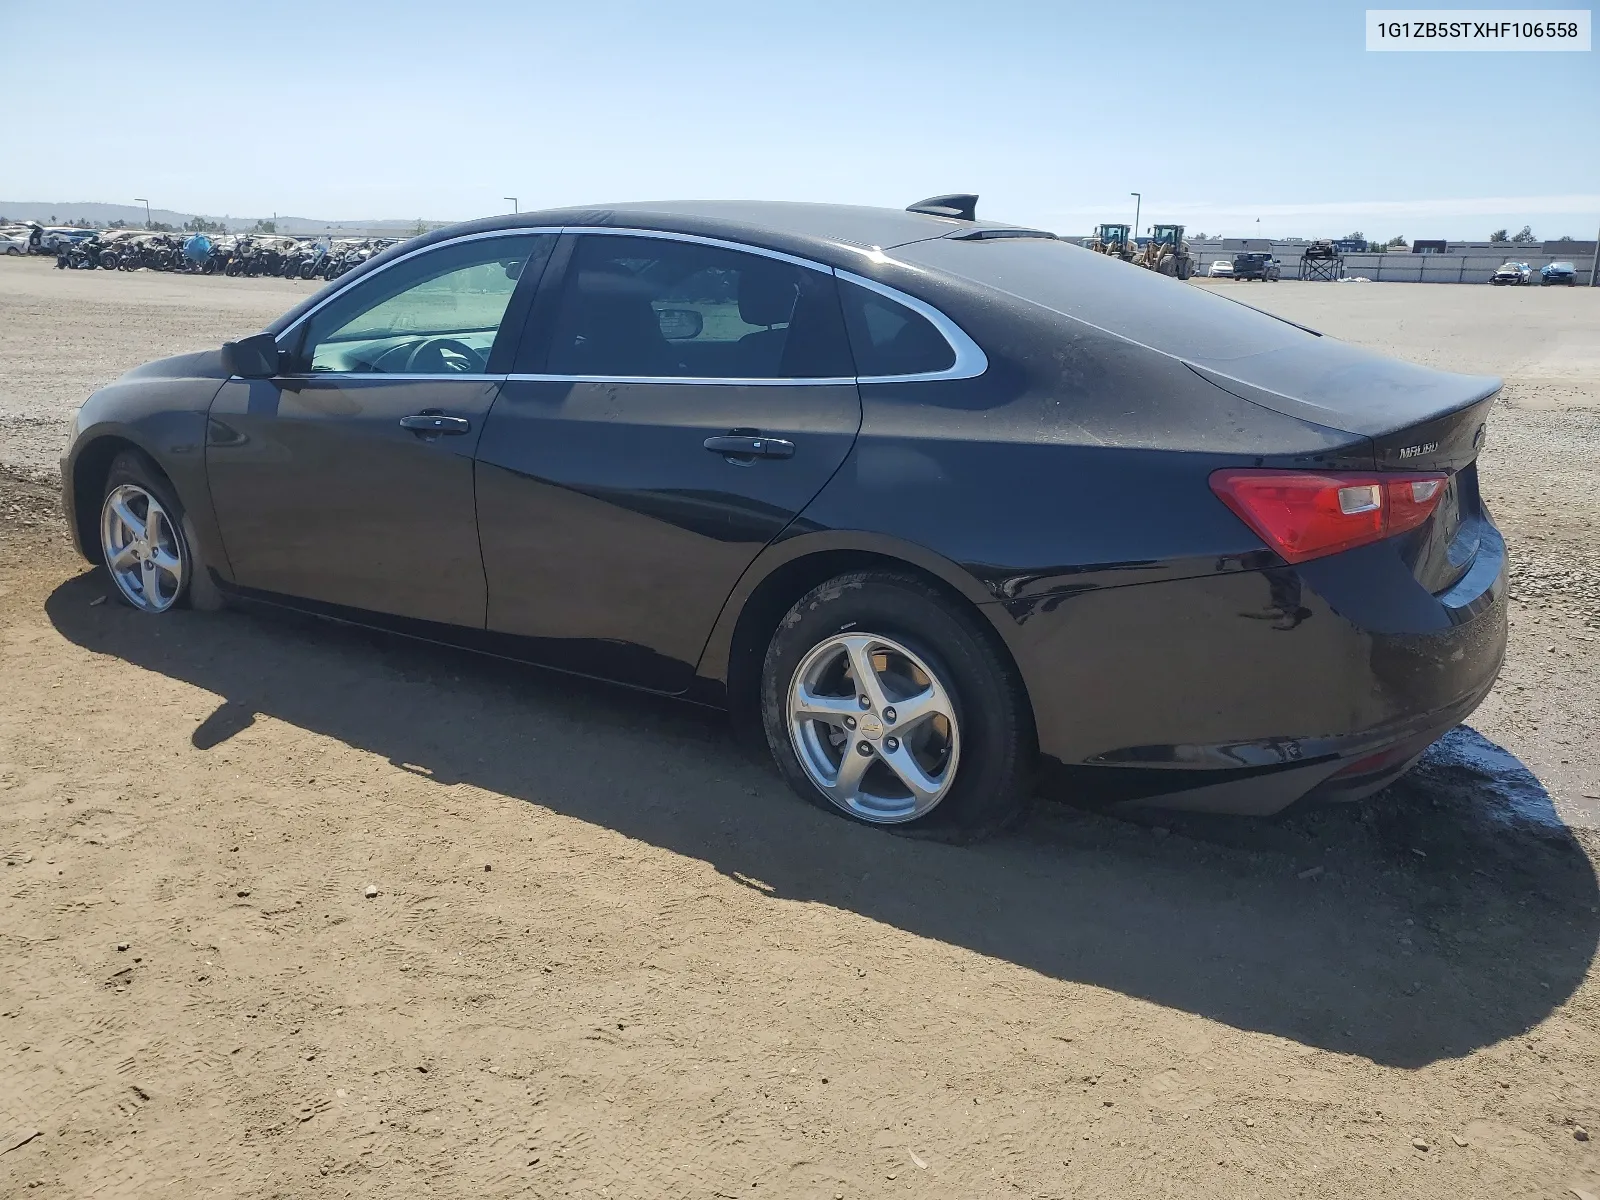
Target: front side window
642,307
888,338
436,314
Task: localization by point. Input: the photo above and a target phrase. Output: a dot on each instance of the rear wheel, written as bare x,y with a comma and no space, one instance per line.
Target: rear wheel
884,702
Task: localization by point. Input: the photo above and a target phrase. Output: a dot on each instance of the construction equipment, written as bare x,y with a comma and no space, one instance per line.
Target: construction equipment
1113,240
1166,252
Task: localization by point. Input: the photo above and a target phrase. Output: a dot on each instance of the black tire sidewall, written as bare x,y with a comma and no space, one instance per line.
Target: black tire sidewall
133,467
994,771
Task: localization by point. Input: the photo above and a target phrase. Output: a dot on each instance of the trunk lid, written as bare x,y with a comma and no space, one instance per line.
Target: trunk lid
1418,418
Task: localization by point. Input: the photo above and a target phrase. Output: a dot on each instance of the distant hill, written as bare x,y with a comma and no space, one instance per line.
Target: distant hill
100,215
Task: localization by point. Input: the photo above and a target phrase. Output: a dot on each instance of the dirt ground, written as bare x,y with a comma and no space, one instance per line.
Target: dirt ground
609,955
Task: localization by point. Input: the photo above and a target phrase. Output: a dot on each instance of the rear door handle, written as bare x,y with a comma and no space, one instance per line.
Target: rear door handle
743,445
435,423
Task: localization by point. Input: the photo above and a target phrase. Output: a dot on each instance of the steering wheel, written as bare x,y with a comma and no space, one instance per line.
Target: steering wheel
429,358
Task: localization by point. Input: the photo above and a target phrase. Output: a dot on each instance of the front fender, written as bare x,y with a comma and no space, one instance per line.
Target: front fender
166,419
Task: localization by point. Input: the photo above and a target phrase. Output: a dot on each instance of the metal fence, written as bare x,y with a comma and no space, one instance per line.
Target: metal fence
1404,267
1442,268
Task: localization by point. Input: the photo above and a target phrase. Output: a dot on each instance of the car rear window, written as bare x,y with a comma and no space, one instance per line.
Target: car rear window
1122,299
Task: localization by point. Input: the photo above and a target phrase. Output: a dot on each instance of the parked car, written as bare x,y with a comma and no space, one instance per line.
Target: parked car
14,241
937,516
1559,272
53,240
1514,274
1258,266
1221,268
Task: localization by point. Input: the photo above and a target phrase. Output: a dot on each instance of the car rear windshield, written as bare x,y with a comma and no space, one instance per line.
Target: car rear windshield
1115,296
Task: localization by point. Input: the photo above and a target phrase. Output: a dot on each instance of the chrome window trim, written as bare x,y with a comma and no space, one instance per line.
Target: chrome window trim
375,376
697,239
398,259
702,380
970,361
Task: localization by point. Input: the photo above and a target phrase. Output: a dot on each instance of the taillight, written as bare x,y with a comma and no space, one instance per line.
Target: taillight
1305,514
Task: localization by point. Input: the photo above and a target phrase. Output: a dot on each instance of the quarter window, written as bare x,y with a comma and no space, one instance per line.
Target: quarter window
888,338
436,314
642,307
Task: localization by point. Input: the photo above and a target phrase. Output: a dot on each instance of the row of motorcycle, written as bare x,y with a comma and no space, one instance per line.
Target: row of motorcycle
240,254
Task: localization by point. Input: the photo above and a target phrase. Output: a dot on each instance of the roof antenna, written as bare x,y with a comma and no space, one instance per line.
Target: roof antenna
961,206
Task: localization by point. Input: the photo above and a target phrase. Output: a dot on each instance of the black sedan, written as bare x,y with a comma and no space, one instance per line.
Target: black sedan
950,504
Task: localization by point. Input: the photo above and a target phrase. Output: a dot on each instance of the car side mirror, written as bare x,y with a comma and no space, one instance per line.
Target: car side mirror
680,324
254,357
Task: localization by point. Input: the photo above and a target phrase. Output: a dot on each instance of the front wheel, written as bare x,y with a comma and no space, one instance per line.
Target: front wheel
148,543
884,702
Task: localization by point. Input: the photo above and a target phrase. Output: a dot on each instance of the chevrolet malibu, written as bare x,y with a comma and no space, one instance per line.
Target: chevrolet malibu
952,508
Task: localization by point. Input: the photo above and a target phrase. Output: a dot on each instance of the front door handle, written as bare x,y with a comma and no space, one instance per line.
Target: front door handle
435,423
748,446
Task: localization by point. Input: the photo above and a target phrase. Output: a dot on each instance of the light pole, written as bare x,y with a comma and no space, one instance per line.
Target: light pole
146,203
1138,202
513,200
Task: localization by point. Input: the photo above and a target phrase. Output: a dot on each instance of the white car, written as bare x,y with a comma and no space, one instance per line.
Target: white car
14,241
1222,268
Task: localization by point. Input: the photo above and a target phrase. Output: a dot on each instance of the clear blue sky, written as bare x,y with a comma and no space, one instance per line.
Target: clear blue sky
1220,112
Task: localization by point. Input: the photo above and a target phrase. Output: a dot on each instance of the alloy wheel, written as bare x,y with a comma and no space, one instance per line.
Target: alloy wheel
874,728
141,548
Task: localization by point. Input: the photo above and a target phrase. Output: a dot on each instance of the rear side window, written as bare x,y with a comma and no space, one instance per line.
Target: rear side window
642,307
888,338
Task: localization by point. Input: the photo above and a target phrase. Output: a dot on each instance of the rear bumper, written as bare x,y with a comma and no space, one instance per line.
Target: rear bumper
1244,692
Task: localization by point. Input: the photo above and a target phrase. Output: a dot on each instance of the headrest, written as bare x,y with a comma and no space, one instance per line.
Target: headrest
612,286
766,294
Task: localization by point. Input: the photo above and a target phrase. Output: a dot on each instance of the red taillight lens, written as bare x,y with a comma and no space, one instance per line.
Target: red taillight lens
1305,514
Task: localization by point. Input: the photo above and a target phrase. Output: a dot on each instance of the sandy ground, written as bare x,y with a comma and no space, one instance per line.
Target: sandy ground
610,955
65,333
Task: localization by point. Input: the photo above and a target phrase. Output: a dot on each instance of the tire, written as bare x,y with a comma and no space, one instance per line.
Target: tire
981,762
131,474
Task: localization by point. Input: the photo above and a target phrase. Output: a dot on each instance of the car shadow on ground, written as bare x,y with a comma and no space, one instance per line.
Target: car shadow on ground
1435,919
